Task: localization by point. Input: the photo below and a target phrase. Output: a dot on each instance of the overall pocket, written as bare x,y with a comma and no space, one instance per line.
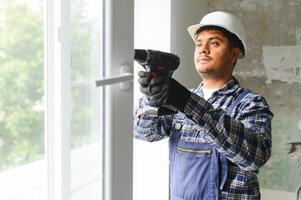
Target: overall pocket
194,151
193,173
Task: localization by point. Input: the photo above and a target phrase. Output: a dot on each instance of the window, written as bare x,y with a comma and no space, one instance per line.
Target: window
22,100
89,130
61,137
86,100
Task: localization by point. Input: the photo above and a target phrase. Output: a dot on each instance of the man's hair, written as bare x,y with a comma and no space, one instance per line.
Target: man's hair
233,39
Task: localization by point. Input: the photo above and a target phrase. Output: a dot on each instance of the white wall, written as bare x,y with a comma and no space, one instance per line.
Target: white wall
184,14
152,31
154,20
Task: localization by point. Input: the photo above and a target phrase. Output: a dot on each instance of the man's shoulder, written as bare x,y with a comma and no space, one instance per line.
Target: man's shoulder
249,93
252,99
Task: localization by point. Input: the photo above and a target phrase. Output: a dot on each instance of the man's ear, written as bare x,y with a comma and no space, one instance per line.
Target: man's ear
235,54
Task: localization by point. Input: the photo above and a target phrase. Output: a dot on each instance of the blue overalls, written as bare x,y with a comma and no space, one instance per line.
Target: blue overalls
197,170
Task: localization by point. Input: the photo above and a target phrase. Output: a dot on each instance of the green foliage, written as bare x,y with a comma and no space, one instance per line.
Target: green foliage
22,81
21,84
84,33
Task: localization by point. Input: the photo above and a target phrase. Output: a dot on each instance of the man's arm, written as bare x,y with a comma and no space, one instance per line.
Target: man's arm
150,128
245,140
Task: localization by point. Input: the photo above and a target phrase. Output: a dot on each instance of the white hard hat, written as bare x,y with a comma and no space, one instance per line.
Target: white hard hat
224,20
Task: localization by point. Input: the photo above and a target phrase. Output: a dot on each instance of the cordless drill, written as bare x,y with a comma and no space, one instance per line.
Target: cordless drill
159,64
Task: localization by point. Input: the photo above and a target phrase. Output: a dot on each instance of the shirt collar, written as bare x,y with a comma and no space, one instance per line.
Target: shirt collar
228,88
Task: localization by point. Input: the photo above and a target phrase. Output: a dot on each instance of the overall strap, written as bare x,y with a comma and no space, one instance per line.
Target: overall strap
240,97
223,159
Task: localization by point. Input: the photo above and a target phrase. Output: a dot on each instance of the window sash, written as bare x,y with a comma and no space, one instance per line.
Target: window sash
117,169
57,93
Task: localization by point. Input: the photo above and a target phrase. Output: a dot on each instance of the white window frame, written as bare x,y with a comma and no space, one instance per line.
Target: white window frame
118,45
57,93
119,34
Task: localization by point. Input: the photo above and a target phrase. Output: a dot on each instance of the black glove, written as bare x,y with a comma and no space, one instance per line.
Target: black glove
144,81
163,91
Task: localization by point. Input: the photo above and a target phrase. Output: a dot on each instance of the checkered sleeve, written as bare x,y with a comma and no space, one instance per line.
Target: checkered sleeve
147,127
246,138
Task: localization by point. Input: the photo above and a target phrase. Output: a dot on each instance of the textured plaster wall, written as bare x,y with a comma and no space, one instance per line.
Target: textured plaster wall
273,68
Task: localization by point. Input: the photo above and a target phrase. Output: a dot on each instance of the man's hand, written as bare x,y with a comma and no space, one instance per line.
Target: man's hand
163,91
144,81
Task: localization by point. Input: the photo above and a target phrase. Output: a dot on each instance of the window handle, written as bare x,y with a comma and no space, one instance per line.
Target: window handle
124,78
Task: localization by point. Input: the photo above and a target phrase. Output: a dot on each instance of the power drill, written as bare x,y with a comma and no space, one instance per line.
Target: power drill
159,64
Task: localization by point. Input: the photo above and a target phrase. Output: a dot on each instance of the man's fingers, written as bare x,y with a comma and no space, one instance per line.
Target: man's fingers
159,98
145,90
159,95
157,81
144,81
145,78
150,91
144,74
155,90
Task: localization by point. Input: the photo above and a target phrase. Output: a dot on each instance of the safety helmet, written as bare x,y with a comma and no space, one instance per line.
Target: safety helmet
224,20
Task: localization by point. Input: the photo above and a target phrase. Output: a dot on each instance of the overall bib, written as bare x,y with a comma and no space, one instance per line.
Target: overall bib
197,170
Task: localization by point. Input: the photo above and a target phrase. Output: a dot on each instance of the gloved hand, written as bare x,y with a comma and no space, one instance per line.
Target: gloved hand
144,81
163,91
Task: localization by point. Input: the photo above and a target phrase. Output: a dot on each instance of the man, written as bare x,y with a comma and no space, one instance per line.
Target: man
221,135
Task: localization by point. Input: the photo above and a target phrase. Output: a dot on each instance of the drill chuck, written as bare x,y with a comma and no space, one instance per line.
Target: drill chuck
161,63
141,56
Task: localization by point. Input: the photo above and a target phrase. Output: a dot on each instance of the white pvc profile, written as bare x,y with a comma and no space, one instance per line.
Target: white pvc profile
118,126
57,99
118,147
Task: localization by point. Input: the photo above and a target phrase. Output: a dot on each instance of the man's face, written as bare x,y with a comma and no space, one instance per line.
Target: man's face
213,57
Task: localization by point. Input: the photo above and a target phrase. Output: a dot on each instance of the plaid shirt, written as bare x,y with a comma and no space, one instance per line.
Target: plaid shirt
244,137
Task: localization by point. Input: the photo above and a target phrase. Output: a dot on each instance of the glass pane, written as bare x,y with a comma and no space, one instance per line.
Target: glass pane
86,106
22,169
